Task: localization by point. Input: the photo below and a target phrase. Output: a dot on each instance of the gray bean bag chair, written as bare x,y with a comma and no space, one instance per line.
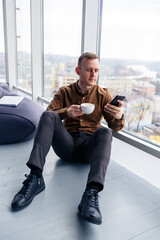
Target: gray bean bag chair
18,123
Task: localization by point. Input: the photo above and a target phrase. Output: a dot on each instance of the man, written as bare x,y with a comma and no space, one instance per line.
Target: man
79,137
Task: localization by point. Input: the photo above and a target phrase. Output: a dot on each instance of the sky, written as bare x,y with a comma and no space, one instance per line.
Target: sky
63,27
130,28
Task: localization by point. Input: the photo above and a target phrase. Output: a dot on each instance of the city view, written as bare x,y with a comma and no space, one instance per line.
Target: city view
138,80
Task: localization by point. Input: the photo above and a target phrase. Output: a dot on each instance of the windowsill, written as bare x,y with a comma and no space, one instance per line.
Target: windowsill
138,143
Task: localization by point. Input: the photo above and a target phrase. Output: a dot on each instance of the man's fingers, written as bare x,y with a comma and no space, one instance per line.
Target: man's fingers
120,103
76,106
76,110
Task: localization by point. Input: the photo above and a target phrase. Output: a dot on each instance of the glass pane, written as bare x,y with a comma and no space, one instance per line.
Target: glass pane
2,51
130,62
62,43
23,44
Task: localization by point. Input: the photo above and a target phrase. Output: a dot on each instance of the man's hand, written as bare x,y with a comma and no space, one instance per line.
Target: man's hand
113,110
74,111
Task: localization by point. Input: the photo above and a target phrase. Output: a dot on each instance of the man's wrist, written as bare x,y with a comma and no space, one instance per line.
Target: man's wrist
62,113
122,117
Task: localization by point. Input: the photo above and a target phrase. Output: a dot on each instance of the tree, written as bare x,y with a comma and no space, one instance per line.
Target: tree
130,117
141,108
137,111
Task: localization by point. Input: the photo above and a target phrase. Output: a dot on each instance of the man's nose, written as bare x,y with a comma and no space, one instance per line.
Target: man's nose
93,72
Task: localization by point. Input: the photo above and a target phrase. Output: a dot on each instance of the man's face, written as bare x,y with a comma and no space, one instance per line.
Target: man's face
88,71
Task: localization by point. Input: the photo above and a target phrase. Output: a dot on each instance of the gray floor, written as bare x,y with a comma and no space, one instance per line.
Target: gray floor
129,205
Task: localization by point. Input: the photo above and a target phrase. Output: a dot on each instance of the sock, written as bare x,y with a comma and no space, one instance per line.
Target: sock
93,185
36,171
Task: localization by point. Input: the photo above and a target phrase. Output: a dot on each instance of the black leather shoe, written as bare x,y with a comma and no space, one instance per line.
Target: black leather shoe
89,207
31,187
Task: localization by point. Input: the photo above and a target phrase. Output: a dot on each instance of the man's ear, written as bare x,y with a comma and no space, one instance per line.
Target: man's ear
78,70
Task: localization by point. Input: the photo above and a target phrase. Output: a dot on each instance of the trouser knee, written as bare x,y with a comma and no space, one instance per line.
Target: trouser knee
49,114
103,135
49,117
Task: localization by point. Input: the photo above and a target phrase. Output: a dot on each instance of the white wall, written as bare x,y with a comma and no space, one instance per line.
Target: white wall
139,162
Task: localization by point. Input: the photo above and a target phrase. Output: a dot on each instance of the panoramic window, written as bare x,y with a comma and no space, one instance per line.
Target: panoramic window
130,62
2,51
62,43
23,32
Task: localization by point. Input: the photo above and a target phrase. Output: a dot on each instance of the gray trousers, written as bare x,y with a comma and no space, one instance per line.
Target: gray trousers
82,147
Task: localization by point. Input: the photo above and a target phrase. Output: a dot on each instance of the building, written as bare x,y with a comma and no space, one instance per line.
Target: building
144,88
119,84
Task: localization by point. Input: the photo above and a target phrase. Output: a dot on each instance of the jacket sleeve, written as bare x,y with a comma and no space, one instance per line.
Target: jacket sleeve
57,104
113,123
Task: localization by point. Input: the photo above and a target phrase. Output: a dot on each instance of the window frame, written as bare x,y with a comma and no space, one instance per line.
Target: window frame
37,48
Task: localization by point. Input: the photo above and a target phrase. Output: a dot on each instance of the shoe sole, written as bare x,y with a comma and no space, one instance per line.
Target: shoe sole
29,201
91,219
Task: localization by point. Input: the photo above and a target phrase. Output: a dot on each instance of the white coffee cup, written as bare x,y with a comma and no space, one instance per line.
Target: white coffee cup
87,108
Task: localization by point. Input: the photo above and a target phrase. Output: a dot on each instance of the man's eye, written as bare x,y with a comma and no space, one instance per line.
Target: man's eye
92,70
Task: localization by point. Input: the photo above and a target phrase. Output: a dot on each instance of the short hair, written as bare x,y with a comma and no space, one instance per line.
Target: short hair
88,55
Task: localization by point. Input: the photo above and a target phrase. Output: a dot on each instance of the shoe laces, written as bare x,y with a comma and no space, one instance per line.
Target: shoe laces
26,185
93,198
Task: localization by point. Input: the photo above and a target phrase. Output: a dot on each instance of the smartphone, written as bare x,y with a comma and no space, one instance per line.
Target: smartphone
115,102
